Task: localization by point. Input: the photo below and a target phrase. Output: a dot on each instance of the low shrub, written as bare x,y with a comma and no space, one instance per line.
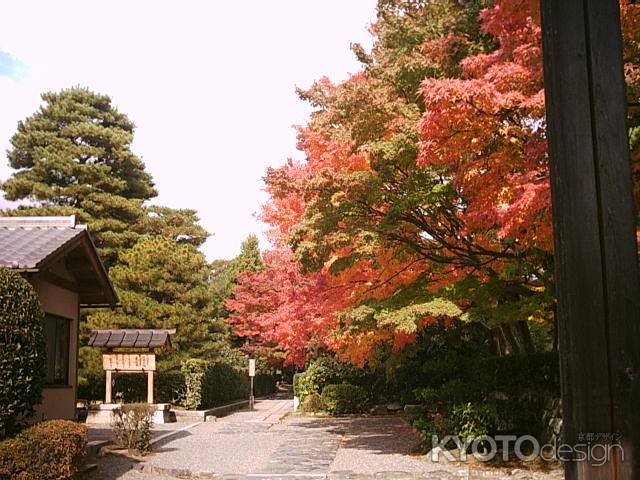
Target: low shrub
131,425
344,398
471,420
312,403
51,450
325,371
494,395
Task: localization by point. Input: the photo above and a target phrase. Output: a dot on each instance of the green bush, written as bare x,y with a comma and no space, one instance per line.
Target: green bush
325,371
471,420
493,395
312,403
218,383
344,398
51,450
212,384
223,384
168,387
131,425
264,384
22,350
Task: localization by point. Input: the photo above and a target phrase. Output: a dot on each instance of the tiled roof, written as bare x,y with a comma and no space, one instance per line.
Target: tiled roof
131,338
26,247
33,245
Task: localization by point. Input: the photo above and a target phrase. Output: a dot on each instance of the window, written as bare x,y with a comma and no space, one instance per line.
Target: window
57,336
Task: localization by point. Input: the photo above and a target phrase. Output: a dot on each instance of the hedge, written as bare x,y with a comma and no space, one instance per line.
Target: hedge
51,450
168,387
199,384
344,398
210,384
22,350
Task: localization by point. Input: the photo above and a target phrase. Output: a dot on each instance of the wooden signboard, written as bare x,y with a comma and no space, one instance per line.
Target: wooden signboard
129,362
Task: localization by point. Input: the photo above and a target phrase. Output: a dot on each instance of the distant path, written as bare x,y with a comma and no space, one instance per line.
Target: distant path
252,445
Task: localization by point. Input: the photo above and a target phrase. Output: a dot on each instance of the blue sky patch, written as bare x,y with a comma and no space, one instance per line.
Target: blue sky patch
11,67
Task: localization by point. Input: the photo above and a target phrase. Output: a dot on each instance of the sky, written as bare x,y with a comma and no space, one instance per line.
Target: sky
210,86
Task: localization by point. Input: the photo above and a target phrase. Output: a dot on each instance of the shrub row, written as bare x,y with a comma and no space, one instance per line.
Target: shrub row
209,384
168,387
221,383
51,450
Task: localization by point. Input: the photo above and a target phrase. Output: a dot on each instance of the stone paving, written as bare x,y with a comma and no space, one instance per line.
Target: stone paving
255,445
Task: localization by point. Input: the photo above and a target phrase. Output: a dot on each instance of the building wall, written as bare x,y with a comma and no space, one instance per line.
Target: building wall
60,401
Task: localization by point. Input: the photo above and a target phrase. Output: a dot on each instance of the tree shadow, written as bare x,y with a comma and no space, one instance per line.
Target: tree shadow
379,435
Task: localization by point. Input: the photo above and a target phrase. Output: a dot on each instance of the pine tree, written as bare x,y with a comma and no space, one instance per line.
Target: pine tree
74,156
164,283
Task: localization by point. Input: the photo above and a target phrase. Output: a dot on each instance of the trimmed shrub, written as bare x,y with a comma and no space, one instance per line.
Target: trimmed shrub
168,387
312,403
22,350
223,383
325,371
51,450
344,398
264,384
211,384
131,425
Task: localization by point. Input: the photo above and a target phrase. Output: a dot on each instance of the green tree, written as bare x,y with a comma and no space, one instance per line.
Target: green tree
164,283
180,225
74,156
224,273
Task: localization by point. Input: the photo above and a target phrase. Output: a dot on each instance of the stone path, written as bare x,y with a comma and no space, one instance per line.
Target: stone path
253,445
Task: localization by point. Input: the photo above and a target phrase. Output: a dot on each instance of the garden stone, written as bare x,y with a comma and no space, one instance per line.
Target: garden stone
378,410
412,409
394,407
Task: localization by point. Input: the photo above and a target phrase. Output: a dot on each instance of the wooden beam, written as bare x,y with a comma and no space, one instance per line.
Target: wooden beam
60,281
150,387
596,260
107,387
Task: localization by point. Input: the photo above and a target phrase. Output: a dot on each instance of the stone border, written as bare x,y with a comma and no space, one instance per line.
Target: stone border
201,415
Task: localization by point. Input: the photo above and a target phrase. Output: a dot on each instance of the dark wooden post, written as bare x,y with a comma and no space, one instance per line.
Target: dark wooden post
596,258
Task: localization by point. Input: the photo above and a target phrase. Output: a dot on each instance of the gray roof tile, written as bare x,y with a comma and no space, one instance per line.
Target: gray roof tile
143,338
26,248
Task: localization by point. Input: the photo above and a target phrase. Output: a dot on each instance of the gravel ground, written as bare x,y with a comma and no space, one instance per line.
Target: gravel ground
371,445
256,445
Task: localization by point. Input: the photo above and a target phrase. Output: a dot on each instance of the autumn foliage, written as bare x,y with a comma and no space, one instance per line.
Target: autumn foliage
425,190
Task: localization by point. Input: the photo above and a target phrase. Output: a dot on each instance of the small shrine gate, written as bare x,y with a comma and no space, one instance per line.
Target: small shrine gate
142,359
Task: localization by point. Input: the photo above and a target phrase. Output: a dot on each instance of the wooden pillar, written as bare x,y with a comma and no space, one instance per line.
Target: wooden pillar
596,261
150,387
107,386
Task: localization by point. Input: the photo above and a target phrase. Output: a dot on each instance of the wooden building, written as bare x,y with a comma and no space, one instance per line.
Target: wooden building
58,257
